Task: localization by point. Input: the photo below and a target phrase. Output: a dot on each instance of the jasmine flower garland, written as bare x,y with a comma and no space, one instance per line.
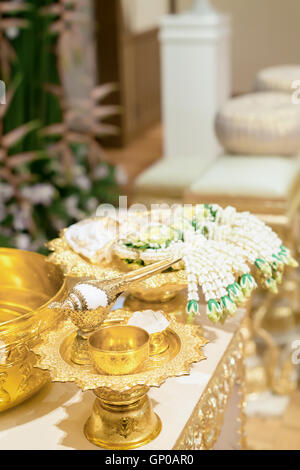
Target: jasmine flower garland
224,251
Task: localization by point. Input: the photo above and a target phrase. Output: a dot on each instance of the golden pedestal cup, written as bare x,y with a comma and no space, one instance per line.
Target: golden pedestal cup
122,416
122,420
121,350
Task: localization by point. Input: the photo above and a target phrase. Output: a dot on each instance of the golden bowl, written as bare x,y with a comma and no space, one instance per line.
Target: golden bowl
161,287
162,294
28,283
119,350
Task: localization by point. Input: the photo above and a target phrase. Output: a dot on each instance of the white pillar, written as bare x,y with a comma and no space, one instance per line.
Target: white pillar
196,81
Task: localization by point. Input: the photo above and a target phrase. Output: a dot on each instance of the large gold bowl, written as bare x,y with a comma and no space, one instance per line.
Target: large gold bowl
28,283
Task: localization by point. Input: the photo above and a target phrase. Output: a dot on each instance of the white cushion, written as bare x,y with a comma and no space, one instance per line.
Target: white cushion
170,176
278,78
250,176
260,124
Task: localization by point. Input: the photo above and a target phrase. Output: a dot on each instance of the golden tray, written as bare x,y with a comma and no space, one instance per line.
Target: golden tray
122,416
160,287
55,355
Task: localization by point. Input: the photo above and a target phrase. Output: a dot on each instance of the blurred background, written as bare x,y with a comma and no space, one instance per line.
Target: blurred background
169,101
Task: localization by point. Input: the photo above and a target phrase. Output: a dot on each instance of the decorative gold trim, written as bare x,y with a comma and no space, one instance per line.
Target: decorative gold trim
76,265
242,405
204,426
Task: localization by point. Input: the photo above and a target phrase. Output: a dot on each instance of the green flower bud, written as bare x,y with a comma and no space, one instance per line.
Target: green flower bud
280,257
190,318
263,266
247,284
214,310
235,293
286,257
228,305
271,285
193,306
277,276
277,266
292,262
223,317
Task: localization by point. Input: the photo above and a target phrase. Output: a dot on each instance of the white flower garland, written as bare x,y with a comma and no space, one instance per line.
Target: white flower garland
218,250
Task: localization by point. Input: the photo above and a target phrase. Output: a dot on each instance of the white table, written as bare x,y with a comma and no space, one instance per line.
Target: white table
189,407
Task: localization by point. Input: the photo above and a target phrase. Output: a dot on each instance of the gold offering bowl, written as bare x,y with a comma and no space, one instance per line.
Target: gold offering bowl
122,416
162,289
119,350
28,283
158,342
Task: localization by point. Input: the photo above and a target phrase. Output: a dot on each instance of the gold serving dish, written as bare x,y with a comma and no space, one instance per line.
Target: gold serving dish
67,335
28,283
161,287
122,416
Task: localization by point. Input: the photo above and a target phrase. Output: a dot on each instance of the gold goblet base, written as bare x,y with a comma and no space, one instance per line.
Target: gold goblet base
122,420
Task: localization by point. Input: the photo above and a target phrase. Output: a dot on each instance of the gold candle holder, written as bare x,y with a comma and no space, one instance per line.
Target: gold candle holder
119,350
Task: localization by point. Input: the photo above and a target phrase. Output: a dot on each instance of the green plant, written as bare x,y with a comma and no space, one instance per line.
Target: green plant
53,170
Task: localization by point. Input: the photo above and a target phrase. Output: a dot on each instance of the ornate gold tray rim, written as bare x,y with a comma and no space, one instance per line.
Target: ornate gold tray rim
76,265
61,371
